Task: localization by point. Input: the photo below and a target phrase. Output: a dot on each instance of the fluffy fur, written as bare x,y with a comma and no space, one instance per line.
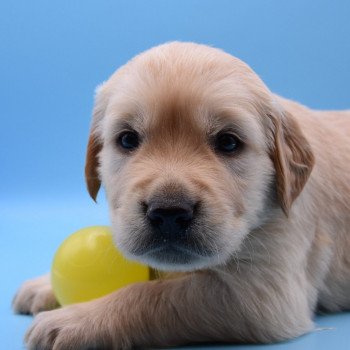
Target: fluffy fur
271,233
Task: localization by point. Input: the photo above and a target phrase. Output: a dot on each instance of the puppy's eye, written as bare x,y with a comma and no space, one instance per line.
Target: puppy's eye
129,140
227,143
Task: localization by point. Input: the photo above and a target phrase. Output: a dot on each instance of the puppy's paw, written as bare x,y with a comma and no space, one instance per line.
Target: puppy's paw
75,327
35,296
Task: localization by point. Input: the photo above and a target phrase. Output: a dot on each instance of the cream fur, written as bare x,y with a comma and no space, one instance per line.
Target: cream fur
274,219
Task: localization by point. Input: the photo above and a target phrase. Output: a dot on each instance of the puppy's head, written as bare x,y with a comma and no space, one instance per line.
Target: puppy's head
192,150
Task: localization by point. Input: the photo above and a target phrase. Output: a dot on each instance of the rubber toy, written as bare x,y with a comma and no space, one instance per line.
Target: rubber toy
87,265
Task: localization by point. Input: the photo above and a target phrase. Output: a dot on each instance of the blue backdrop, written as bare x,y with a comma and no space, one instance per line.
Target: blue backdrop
54,53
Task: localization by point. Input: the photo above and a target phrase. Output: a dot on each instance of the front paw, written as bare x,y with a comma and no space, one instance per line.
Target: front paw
35,296
75,327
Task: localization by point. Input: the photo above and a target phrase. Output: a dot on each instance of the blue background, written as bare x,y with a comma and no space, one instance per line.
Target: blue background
54,53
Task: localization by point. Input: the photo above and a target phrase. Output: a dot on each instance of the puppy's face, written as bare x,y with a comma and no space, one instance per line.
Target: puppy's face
183,153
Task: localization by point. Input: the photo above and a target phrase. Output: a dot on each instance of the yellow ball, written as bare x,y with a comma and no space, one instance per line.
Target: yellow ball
87,266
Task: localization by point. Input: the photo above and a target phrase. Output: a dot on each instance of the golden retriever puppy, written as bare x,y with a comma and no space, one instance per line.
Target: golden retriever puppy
210,174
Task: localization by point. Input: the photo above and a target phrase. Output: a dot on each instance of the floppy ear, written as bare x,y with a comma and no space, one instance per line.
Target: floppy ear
93,181
94,147
292,157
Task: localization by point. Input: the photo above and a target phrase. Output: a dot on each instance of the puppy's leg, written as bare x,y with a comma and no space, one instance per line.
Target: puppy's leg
196,308
34,296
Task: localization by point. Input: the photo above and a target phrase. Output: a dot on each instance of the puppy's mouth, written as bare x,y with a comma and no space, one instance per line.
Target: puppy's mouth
170,253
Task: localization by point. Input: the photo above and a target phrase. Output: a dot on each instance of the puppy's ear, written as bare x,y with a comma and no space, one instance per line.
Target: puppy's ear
94,147
292,157
93,181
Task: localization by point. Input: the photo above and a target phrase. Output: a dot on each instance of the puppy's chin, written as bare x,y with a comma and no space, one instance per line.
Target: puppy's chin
174,258
169,256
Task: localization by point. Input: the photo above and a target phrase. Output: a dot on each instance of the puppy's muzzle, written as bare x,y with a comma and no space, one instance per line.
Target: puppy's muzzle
172,237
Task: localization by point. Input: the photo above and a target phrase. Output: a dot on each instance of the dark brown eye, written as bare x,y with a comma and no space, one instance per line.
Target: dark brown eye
129,140
227,143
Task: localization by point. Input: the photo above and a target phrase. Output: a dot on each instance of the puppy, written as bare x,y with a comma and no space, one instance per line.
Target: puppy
210,174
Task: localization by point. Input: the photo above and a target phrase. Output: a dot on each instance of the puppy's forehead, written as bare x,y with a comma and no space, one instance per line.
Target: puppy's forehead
184,82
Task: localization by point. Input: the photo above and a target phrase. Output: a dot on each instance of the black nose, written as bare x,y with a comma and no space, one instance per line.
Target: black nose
171,220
